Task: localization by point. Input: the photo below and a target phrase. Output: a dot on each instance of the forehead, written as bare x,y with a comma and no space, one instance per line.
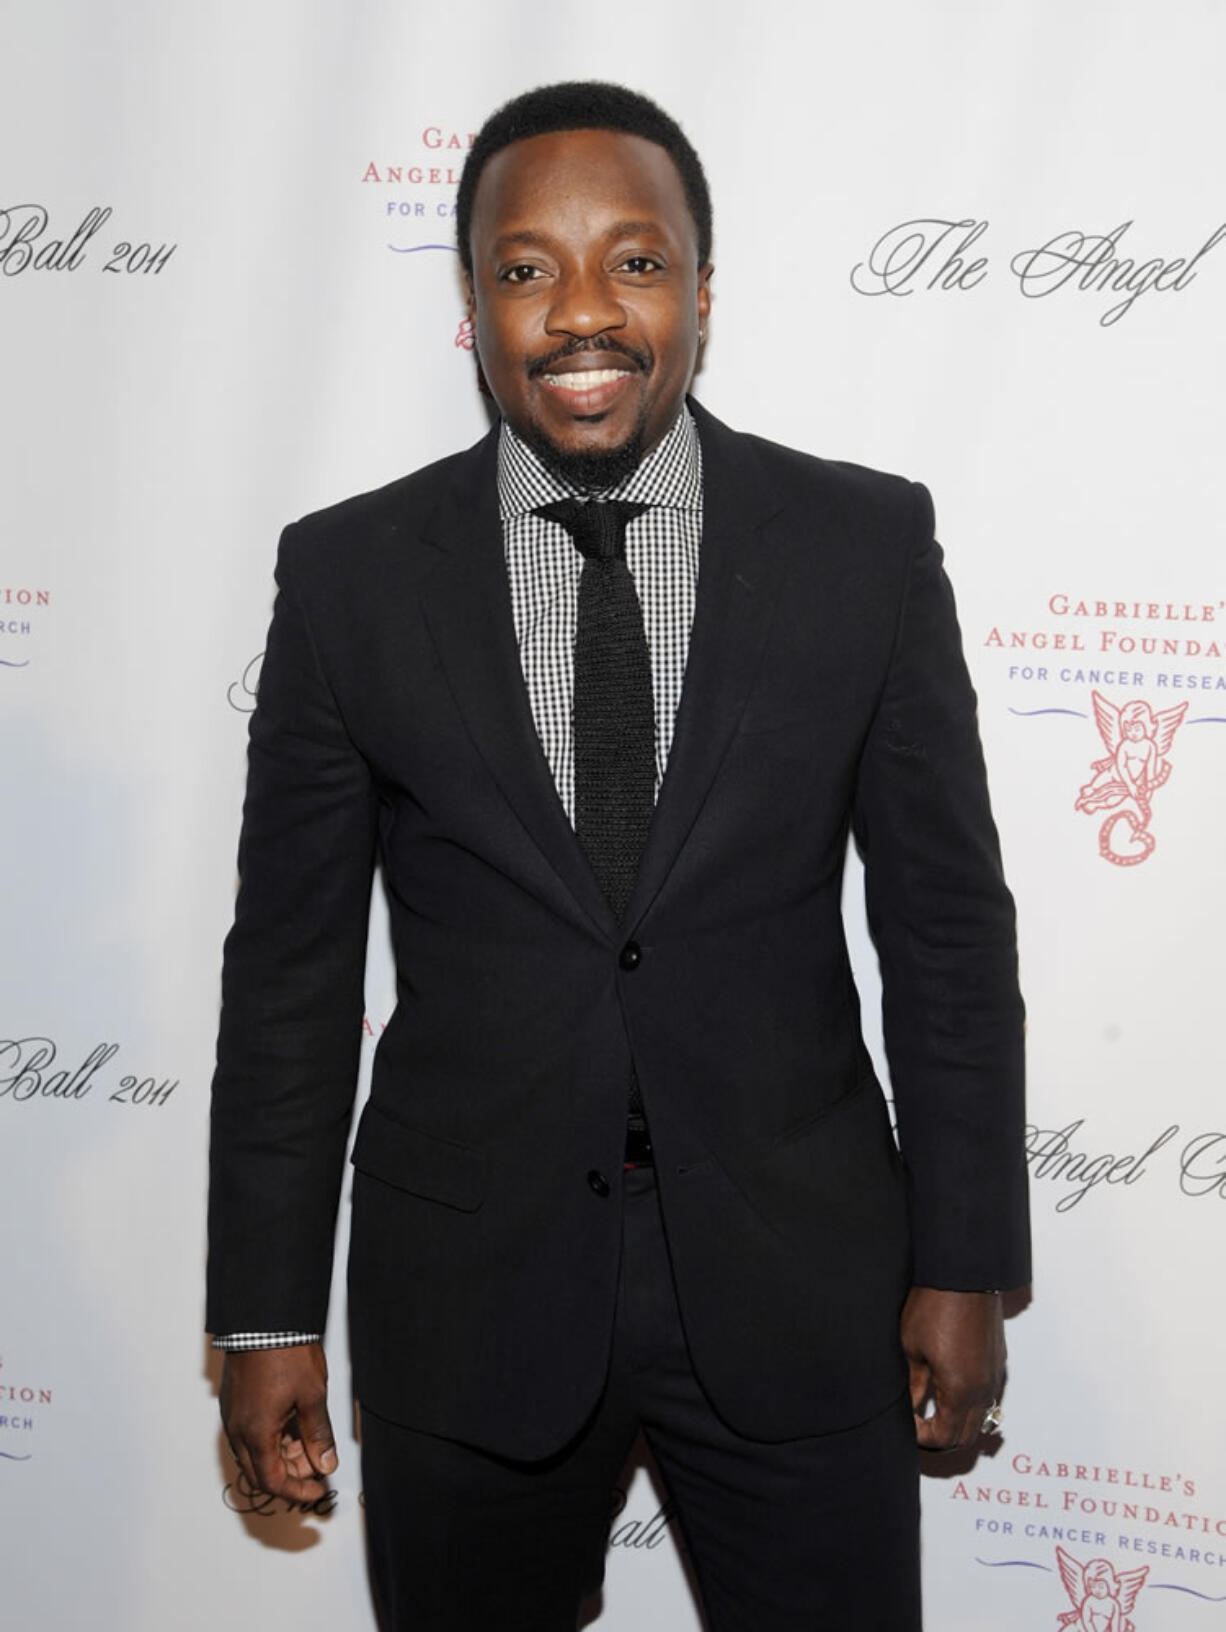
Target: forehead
573,180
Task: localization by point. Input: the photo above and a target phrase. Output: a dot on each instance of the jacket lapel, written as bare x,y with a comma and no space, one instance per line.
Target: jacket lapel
738,573
467,602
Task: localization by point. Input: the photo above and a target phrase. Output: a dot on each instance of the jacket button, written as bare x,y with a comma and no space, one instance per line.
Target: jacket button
631,955
598,1183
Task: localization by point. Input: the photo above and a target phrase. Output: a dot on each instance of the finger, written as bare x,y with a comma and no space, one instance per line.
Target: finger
955,1422
920,1383
943,1431
292,1488
262,1467
272,1472
244,1464
967,1431
932,1417
274,1477
935,1433
315,1433
294,1456
297,1464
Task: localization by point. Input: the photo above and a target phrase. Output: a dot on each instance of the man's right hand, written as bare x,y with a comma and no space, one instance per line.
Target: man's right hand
274,1407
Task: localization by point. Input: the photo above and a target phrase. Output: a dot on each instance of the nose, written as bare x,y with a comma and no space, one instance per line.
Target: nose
585,303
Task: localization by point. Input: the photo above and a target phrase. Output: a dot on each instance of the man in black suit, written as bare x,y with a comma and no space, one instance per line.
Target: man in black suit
606,694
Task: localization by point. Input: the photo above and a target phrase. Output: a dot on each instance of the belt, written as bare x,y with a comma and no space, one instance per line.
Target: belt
638,1146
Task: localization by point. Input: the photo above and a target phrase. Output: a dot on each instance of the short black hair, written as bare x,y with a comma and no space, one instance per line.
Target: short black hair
588,104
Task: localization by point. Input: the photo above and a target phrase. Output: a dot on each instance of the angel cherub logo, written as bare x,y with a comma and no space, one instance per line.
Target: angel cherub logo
1102,1598
1137,741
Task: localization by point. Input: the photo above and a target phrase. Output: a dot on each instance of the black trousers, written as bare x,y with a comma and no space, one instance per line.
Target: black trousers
819,1534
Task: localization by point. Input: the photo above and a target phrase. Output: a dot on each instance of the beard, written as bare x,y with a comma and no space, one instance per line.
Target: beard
596,470
591,471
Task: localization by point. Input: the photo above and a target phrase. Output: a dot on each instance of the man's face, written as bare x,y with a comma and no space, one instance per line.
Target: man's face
587,296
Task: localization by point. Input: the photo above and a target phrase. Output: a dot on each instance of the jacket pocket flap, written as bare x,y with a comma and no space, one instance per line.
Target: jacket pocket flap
420,1163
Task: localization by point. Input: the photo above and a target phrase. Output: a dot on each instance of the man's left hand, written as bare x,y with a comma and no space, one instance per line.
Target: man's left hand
955,1347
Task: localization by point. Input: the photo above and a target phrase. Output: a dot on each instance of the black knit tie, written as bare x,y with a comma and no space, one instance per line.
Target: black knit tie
614,712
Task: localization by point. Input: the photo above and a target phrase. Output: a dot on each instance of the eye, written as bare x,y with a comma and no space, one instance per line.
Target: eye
520,274
640,264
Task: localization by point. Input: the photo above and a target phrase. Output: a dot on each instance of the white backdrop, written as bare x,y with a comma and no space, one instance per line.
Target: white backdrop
223,304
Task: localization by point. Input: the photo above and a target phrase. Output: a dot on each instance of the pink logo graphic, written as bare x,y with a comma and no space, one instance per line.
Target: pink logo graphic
1102,1600
1137,742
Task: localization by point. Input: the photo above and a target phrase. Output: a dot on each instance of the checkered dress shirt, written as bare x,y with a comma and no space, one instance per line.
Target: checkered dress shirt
543,568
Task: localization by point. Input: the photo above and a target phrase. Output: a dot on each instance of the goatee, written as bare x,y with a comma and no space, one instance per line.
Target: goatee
591,472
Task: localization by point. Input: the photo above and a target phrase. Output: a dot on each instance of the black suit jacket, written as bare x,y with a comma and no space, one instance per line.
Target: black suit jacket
824,688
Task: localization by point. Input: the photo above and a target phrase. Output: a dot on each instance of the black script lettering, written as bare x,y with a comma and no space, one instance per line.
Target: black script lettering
1050,1154
1202,1166
657,1527
73,252
27,1060
141,258
158,259
1164,1138
26,1057
26,1066
133,1091
645,1534
932,245
1093,261
240,1496
246,687
143,1091
1185,277
23,225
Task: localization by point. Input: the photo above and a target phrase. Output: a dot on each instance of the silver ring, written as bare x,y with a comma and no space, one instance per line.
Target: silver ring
991,1420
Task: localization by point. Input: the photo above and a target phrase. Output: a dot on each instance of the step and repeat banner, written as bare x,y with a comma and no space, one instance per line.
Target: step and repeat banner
983,246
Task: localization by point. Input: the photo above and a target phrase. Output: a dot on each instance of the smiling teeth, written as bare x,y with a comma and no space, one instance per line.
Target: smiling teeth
591,378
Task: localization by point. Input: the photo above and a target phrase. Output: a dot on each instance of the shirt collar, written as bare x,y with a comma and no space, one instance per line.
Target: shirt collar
670,477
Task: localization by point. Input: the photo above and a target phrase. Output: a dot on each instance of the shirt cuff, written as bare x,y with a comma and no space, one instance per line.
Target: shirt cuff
239,1342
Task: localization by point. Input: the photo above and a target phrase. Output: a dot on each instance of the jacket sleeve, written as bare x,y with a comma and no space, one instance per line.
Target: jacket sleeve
942,920
292,991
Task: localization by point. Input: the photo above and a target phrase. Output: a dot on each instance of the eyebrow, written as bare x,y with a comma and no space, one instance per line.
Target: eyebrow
628,229
542,240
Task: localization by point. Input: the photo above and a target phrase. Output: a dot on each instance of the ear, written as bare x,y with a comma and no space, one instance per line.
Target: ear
704,291
470,298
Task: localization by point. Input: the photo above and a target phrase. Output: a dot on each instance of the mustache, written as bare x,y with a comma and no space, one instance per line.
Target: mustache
642,360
